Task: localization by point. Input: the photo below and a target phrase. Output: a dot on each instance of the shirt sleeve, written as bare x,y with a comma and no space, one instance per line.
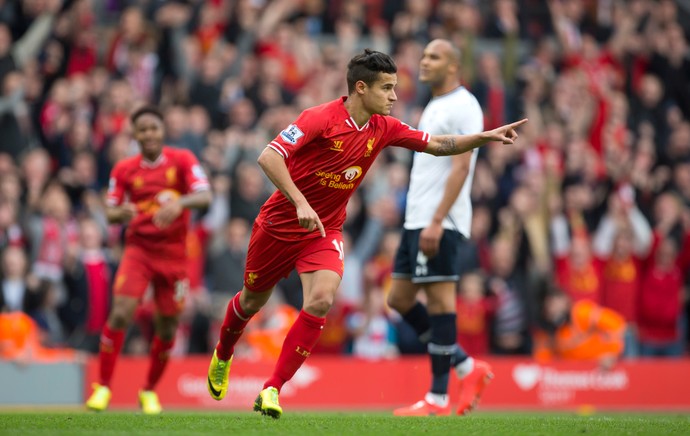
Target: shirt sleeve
403,135
116,186
194,175
297,134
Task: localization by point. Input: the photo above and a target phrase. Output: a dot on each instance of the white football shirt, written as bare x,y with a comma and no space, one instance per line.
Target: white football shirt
457,112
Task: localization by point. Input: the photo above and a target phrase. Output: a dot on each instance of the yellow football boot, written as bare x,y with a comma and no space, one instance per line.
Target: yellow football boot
218,375
267,403
100,398
148,400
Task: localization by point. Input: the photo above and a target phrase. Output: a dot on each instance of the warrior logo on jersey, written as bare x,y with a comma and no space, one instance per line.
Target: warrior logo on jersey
352,173
291,134
138,182
337,146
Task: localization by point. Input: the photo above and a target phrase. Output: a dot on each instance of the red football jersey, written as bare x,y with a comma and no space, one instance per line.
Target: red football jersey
327,156
148,185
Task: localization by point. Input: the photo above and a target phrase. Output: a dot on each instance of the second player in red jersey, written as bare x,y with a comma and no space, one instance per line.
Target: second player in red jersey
316,163
149,186
151,192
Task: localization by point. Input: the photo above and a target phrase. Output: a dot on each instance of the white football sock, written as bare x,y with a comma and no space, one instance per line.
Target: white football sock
465,367
440,400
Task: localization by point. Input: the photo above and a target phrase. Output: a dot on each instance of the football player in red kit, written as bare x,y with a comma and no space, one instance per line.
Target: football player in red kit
152,192
316,163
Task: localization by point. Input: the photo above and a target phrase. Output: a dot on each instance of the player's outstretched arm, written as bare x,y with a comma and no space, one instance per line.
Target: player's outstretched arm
274,166
447,145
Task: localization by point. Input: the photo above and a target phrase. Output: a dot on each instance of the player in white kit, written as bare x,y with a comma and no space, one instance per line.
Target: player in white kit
437,222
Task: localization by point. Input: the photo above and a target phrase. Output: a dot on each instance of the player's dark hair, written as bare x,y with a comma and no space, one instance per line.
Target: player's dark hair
148,109
367,66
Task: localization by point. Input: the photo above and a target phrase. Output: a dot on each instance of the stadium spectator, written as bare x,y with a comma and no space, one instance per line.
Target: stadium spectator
178,131
152,192
265,335
326,185
476,253
508,283
247,192
15,292
371,329
576,271
21,342
475,310
621,244
114,106
661,299
207,87
14,120
52,233
227,257
81,183
11,232
132,30
88,278
492,91
35,170
377,271
661,287
581,331
46,314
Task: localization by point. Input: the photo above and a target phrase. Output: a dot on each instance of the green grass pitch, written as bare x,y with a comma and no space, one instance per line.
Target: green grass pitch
303,424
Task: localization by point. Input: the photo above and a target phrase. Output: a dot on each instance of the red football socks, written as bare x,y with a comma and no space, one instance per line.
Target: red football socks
299,342
160,354
111,344
233,327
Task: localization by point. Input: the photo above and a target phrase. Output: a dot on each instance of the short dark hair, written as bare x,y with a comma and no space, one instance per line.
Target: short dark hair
147,109
367,66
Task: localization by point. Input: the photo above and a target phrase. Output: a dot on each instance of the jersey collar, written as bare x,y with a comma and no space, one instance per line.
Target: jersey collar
452,91
351,121
160,160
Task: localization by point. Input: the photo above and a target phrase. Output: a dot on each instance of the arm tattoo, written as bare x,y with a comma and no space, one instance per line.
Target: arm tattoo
448,147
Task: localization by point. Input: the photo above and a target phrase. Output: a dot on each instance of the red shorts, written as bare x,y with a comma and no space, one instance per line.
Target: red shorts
270,259
167,277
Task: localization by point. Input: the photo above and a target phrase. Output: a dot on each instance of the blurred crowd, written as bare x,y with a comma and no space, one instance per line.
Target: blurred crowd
593,200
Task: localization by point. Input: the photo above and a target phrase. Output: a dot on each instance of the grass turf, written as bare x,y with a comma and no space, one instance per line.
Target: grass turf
293,423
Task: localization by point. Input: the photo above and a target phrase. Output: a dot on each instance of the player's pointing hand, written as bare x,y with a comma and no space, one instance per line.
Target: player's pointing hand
506,134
